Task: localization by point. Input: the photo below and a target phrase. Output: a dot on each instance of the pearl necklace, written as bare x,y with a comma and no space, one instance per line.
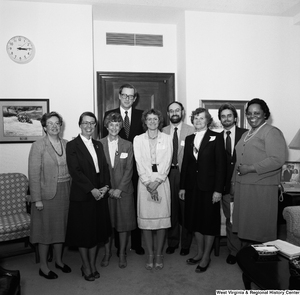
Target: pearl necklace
152,137
249,136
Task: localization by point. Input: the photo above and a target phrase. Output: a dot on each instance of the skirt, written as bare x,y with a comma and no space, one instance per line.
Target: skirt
48,226
201,215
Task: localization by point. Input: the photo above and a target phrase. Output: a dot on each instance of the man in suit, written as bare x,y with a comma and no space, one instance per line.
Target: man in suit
132,127
228,116
175,111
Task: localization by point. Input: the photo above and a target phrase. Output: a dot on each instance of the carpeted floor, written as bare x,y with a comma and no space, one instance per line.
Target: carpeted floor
175,278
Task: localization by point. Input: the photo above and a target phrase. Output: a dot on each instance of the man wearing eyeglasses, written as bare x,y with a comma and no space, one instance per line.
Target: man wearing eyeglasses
175,112
132,126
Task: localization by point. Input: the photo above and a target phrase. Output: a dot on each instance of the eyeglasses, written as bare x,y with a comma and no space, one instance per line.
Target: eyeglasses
88,124
126,96
51,124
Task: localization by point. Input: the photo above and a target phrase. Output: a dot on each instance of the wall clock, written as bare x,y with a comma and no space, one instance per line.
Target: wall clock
20,49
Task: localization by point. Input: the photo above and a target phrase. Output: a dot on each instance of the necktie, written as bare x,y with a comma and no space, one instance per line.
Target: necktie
175,147
228,143
126,124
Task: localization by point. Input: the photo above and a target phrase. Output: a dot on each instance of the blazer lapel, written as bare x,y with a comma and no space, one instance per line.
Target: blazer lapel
204,142
50,150
84,150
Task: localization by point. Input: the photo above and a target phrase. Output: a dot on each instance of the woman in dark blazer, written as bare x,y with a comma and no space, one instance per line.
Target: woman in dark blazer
88,222
119,156
202,183
49,183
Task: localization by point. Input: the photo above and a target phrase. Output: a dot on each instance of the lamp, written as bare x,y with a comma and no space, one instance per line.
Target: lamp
295,143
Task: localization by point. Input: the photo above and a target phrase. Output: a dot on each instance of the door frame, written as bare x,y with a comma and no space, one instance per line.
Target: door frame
129,77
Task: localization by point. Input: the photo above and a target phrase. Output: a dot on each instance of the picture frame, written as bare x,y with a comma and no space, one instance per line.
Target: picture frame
290,172
20,119
213,106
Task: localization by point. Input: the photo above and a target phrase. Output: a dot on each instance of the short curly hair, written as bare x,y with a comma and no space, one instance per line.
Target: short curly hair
262,104
47,116
199,111
154,112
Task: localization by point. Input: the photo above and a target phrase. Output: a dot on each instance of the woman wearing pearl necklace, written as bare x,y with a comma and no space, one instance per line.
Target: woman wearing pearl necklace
261,152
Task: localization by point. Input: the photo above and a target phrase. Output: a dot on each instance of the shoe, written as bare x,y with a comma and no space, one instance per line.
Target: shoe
159,266
50,276
89,277
105,260
231,259
184,252
171,250
139,250
96,274
192,261
122,261
65,268
149,265
202,269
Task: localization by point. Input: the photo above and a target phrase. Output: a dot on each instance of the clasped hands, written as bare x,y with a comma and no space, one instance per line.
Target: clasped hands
243,169
99,193
152,189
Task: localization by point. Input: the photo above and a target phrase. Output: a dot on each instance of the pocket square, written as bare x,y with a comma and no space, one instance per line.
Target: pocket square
123,155
212,138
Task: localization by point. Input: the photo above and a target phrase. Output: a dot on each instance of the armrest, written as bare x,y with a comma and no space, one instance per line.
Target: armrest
292,216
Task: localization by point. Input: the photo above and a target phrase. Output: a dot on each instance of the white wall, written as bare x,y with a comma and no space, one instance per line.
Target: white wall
239,57
62,69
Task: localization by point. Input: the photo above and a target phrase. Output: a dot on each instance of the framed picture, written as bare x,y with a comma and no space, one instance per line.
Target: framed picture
213,106
20,119
290,172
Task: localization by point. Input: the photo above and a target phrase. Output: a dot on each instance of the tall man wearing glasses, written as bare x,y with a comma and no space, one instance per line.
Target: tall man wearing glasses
178,130
132,127
228,116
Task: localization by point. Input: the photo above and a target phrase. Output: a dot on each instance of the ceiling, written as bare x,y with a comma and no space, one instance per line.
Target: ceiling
167,11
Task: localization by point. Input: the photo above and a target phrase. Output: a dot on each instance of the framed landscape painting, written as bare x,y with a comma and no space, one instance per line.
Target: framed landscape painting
213,106
20,119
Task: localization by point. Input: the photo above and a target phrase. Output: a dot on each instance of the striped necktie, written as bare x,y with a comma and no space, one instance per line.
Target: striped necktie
126,124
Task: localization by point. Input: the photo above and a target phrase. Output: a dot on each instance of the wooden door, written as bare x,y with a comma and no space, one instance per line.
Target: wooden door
155,90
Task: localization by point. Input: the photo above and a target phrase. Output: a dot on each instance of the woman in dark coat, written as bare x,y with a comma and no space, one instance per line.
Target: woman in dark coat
88,222
202,183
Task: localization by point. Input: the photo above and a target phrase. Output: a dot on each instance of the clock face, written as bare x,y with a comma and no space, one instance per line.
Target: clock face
20,49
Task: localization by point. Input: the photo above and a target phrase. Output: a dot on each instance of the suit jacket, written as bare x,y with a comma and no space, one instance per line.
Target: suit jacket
208,172
184,132
231,159
43,170
121,174
164,149
82,169
136,126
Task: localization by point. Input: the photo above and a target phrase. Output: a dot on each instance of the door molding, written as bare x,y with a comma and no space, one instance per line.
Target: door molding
105,101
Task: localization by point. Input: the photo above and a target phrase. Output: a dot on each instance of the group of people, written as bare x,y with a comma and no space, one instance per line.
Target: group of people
167,183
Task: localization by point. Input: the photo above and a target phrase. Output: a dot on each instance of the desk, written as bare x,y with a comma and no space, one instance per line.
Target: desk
288,199
267,275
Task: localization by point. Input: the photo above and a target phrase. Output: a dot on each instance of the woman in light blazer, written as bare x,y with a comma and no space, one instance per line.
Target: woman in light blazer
153,153
49,183
119,156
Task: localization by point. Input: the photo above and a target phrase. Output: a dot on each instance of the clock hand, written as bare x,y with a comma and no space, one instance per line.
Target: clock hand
20,48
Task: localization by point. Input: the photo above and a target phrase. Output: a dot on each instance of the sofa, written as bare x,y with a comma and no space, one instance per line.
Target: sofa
292,216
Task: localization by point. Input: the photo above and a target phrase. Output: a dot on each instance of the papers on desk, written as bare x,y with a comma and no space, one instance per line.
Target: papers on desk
265,249
286,249
288,187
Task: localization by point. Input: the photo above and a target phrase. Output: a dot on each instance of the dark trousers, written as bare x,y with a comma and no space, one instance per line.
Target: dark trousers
177,215
234,244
